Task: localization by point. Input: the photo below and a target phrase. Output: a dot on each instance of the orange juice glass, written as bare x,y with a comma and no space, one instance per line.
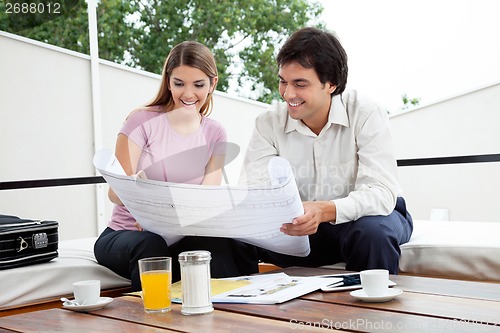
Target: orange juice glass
156,282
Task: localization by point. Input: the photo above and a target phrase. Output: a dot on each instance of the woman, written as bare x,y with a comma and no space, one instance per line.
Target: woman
163,141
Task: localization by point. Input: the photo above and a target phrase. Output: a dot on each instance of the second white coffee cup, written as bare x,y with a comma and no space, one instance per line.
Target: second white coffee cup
375,282
87,292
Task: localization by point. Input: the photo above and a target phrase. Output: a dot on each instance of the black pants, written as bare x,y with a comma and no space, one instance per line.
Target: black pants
370,242
120,251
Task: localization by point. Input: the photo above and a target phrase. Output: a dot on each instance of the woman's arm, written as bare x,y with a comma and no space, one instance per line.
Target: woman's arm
128,154
213,170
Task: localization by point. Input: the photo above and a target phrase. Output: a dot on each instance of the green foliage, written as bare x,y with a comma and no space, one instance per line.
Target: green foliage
20,15
407,102
69,30
244,35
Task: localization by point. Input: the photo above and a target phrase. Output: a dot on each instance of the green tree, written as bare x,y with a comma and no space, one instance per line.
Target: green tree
70,29
244,35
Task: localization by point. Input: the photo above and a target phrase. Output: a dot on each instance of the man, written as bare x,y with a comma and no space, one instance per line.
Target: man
339,146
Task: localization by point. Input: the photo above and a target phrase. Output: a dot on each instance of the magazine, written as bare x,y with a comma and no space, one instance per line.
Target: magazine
272,288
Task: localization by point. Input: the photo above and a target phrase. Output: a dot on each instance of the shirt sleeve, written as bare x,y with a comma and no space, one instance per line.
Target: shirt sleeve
216,138
376,184
134,127
259,152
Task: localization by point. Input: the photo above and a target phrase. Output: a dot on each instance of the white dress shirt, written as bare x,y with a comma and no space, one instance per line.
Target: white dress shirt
350,162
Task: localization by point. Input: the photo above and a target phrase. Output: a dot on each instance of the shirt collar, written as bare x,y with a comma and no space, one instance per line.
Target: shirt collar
337,115
338,112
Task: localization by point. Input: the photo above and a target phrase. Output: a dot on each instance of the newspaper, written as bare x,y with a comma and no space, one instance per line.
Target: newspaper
251,214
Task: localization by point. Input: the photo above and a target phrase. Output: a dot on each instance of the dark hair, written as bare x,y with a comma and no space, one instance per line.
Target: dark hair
192,54
318,49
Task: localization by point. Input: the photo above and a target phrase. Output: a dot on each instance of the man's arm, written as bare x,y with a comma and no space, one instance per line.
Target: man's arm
261,149
376,185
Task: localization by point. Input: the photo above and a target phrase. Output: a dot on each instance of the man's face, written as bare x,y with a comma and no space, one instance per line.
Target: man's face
307,98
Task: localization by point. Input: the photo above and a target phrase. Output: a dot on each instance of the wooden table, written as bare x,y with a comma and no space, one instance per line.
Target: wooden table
426,305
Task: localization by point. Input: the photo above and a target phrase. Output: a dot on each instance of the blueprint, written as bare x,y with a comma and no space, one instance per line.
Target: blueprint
251,214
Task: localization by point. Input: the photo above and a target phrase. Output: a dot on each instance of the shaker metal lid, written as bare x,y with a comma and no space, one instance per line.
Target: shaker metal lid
198,255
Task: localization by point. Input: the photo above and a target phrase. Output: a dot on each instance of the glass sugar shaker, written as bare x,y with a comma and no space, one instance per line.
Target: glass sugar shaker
195,280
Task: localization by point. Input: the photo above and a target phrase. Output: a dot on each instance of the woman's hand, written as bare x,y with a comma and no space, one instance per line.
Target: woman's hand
138,226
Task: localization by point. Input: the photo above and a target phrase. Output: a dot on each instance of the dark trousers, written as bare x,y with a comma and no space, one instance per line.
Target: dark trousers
120,251
369,242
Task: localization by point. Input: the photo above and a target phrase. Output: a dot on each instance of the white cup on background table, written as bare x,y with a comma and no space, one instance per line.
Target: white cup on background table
375,282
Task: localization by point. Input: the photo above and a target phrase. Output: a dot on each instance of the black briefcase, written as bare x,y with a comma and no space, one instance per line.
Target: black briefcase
26,242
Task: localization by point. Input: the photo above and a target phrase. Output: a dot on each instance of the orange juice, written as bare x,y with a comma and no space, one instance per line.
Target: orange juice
156,289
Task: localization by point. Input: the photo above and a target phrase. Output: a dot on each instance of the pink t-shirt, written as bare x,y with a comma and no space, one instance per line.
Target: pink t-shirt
168,155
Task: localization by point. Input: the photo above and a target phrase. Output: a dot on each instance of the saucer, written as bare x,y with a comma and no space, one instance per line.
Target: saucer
102,302
391,293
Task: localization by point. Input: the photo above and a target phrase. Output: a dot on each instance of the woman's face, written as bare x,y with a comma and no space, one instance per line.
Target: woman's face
190,87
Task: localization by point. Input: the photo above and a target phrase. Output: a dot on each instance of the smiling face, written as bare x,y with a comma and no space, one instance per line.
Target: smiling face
307,98
190,87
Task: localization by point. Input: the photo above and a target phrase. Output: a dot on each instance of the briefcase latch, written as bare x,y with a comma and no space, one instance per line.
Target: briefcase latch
23,245
40,240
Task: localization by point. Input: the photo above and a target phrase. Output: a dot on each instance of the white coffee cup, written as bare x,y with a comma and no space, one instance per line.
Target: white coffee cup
87,292
375,282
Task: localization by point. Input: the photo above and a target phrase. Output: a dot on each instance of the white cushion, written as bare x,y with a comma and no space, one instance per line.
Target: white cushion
452,249
48,281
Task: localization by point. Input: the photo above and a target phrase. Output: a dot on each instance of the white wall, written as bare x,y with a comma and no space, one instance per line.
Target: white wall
468,124
46,128
46,132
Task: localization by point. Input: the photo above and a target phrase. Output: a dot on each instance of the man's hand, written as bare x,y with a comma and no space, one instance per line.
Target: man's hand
315,212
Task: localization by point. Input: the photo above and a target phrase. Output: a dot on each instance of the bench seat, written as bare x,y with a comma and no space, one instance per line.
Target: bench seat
453,249
46,282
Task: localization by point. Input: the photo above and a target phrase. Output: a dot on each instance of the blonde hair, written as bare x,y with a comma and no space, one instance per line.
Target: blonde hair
191,54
